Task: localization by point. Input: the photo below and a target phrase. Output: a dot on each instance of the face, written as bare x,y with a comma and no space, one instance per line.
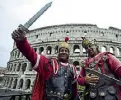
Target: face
63,54
92,50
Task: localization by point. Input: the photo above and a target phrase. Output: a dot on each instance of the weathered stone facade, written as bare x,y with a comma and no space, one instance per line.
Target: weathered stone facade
20,75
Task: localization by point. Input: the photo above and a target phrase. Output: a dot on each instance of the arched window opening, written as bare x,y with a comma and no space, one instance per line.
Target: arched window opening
85,31
37,36
30,67
49,50
112,50
27,84
14,68
18,67
24,67
4,82
11,67
12,54
20,84
56,49
10,83
15,83
15,54
103,49
41,49
116,35
18,54
51,34
84,51
7,82
118,51
102,34
67,33
76,49
8,68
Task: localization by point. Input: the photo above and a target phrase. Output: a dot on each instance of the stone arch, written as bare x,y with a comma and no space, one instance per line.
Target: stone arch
37,36
18,67
9,85
15,83
11,67
102,33
103,49
67,33
12,54
27,84
41,49
14,67
15,54
18,54
112,50
85,33
56,49
7,82
32,82
20,84
6,79
51,33
83,50
30,66
8,67
118,50
24,65
49,50
76,49
116,35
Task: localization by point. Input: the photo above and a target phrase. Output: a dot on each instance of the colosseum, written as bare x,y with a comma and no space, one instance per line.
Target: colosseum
20,75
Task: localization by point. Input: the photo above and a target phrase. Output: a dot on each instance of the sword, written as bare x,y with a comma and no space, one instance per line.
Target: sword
92,71
34,18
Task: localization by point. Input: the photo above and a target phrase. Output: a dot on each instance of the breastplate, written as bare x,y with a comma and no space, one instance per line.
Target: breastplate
61,83
102,80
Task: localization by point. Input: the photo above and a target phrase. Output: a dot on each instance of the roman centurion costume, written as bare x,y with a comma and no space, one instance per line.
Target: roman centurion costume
55,80
104,63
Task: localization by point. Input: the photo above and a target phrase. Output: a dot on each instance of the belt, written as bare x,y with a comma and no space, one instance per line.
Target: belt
59,95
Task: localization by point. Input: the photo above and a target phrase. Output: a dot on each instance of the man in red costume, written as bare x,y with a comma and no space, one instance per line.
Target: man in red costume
98,88
55,78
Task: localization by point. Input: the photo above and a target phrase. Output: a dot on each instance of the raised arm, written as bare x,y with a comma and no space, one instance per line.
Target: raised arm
24,47
39,62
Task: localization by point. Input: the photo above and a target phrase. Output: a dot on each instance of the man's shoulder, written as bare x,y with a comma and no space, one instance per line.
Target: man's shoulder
105,53
102,54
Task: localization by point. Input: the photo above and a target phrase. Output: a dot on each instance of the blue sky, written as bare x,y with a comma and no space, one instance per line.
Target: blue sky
104,13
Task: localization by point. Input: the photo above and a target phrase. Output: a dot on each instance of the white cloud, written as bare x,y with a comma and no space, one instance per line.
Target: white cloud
104,13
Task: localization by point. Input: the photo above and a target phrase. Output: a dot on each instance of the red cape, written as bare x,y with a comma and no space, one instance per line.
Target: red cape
38,89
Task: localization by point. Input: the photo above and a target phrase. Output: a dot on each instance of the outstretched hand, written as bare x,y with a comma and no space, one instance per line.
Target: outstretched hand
18,35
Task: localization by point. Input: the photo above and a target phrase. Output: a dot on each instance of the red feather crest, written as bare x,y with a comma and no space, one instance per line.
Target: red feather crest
66,39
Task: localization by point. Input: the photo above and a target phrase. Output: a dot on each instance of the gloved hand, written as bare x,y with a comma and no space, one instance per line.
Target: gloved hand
91,79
